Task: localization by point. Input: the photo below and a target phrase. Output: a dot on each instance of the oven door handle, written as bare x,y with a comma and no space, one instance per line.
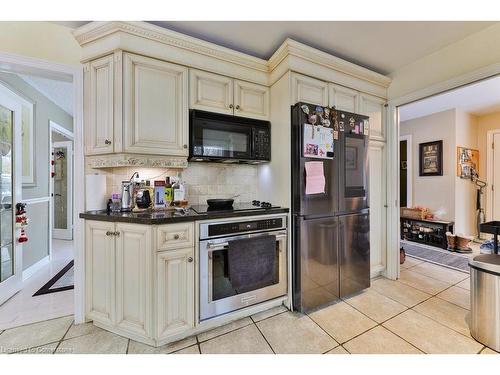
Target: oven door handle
221,245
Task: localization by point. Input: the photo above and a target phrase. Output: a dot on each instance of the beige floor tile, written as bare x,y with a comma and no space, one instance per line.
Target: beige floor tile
77,330
464,284
456,295
421,282
43,349
410,262
440,273
399,292
36,334
246,340
430,336
380,341
446,313
103,342
135,347
193,349
487,350
224,329
268,313
342,321
338,350
375,305
289,333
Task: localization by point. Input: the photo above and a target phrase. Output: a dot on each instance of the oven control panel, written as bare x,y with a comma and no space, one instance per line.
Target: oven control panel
244,226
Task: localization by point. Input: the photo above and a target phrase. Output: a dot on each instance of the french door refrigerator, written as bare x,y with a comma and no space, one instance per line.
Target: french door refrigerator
330,229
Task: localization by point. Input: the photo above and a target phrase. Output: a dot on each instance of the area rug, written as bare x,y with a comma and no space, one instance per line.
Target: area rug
63,280
437,256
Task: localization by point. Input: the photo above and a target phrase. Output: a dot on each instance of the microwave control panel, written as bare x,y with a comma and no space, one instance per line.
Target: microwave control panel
262,144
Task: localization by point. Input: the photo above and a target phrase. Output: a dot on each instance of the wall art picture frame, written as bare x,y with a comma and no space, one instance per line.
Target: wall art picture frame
467,162
431,158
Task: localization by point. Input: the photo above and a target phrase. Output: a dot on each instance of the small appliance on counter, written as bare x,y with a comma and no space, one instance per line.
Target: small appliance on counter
128,193
143,198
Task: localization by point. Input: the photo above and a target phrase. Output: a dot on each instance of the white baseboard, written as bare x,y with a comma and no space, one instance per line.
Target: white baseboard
31,270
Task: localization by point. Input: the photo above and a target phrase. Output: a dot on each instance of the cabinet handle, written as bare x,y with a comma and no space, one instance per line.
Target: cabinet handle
231,106
190,260
176,236
237,107
107,142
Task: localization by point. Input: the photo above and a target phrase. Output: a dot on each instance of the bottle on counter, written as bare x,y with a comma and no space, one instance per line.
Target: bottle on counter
116,202
169,192
178,191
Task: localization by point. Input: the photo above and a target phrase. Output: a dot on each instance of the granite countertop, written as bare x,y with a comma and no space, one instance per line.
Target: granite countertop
170,216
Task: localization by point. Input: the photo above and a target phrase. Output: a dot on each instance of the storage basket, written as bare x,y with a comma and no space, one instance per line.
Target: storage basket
414,213
462,242
452,240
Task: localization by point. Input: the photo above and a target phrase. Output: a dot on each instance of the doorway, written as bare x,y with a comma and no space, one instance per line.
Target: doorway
405,171
493,179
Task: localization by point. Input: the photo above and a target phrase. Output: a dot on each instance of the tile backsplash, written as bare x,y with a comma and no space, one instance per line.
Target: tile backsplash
203,180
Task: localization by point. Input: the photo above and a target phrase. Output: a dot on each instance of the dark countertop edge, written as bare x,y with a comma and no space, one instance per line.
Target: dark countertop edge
103,216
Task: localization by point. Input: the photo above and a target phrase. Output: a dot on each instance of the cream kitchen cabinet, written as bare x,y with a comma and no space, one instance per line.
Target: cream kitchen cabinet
373,107
135,288
309,90
100,271
221,94
343,98
99,101
136,105
175,286
155,106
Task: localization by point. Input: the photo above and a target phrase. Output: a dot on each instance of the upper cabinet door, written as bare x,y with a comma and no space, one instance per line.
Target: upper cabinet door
343,98
309,90
373,107
251,100
98,106
155,106
210,92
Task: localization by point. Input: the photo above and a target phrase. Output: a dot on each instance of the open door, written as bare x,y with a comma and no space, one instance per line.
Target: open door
11,262
62,190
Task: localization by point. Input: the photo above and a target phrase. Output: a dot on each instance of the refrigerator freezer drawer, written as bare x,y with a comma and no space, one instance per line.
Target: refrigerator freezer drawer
316,263
354,253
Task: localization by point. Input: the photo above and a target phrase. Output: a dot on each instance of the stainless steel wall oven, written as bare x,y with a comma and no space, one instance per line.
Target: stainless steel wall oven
243,262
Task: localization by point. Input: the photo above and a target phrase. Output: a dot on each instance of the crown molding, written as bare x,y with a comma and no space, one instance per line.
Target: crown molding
291,47
96,30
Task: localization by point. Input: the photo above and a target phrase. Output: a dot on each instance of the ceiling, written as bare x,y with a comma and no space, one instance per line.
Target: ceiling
59,92
378,45
478,99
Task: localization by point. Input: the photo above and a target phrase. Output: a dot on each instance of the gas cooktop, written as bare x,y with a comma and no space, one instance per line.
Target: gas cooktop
250,206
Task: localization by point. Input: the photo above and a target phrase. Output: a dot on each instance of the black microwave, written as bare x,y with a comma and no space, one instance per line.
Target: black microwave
225,138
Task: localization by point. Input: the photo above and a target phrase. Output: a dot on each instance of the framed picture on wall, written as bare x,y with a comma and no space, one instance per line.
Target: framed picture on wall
431,158
467,162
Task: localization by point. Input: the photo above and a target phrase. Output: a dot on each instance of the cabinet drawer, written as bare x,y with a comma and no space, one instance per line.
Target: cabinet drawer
175,236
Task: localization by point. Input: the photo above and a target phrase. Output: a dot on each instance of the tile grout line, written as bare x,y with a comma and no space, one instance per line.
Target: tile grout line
63,336
265,339
128,345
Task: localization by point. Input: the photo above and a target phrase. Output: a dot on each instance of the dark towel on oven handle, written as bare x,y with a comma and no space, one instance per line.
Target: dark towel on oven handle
252,262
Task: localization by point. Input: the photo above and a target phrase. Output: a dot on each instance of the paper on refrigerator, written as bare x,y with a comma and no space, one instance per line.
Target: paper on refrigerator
315,177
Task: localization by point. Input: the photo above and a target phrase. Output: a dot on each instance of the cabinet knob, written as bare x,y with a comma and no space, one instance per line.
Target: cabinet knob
108,233
107,142
238,107
176,236
116,233
185,146
190,260
231,106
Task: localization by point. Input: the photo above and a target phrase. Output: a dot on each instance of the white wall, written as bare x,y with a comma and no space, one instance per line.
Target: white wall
434,192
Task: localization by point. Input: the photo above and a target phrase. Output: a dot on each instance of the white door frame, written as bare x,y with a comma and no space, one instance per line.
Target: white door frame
13,284
489,172
63,234
393,233
409,168
27,65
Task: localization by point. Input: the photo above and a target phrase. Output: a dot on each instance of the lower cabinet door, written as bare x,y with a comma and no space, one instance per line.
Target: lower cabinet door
134,278
175,299
100,271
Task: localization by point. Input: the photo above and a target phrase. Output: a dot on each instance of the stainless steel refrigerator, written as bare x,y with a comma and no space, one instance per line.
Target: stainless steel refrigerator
330,234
